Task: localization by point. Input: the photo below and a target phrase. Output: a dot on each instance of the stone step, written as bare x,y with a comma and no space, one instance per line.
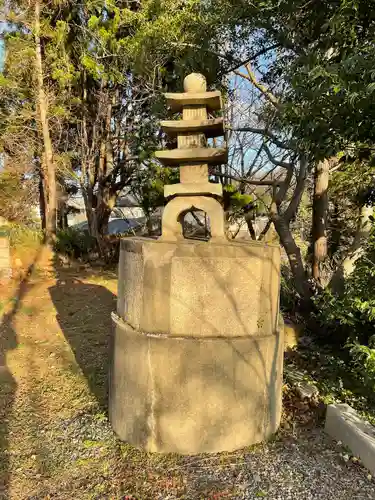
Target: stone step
176,157
344,424
213,127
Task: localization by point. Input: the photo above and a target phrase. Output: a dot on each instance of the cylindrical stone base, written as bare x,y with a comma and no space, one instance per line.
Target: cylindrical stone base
194,395
198,352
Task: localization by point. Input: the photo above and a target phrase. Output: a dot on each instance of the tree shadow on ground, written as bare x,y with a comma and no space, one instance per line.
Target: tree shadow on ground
8,385
8,341
84,315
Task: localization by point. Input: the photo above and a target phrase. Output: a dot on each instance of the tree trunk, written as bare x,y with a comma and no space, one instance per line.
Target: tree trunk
149,223
249,223
103,213
42,199
42,106
336,230
294,257
319,223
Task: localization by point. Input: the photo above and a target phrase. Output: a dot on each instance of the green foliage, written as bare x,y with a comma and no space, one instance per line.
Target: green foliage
74,244
349,319
104,69
321,67
22,236
335,374
148,186
351,315
364,361
288,296
17,196
236,201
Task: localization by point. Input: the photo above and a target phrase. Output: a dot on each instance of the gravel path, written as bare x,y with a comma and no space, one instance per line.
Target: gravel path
308,467
304,464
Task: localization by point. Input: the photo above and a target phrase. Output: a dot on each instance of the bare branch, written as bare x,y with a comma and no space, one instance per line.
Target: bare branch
262,88
280,194
248,181
265,230
265,133
260,52
273,160
298,191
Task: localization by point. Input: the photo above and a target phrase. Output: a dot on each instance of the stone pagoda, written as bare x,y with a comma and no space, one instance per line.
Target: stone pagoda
197,354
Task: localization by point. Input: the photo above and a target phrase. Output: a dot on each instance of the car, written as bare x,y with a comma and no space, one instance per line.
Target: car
116,226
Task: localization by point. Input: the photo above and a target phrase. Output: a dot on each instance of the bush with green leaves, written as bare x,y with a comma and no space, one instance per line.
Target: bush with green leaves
21,235
74,244
364,361
348,319
351,315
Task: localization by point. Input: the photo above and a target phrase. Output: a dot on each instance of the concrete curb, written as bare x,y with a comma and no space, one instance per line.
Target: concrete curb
344,424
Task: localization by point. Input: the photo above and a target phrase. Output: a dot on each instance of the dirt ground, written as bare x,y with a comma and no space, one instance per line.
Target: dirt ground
55,439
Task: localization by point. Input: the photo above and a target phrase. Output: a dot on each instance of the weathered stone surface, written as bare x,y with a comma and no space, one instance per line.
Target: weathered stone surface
201,188
304,389
195,288
195,82
212,127
210,99
344,424
193,395
212,156
194,174
179,206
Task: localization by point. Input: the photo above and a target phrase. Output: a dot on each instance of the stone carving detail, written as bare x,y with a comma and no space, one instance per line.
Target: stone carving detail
193,158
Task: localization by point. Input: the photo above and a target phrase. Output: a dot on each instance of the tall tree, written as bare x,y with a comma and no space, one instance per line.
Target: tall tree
42,110
314,60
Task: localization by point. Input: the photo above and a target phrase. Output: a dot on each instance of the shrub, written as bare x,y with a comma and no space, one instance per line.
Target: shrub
288,295
21,235
351,316
74,244
349,319
364,361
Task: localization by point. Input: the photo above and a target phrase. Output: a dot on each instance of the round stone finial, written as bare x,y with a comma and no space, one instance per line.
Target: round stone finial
195,82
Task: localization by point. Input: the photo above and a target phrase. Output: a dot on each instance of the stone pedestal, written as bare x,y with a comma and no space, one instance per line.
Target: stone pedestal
197,355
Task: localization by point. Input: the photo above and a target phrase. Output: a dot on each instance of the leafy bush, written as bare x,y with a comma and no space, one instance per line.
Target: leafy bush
73,243
288,295
351,316
364,361
349,319
21,235
18,194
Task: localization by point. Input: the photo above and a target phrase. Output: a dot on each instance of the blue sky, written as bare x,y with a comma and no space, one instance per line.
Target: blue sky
2,52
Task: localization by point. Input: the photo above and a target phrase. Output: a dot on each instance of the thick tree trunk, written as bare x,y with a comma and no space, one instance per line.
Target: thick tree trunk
319,224
294,257
42,105
103,213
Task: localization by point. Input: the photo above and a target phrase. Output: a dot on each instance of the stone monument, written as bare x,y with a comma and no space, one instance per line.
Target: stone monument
197,354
